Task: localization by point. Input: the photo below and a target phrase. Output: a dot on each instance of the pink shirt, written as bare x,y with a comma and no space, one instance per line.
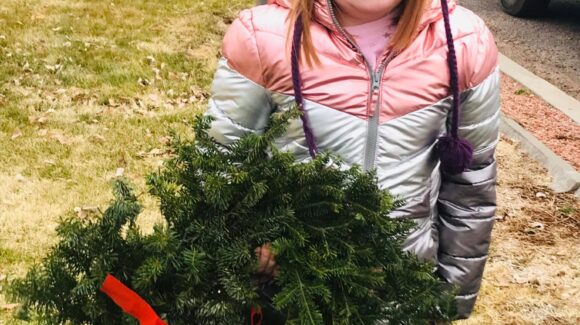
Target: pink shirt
373,37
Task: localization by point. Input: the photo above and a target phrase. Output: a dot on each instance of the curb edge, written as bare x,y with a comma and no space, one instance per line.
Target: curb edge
564,177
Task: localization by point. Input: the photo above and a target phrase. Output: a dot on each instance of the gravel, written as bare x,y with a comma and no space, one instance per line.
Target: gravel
555,129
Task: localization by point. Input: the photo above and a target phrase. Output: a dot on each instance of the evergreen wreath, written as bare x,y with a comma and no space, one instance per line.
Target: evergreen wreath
339,252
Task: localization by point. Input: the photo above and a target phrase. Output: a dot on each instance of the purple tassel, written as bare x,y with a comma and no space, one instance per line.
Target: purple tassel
455,154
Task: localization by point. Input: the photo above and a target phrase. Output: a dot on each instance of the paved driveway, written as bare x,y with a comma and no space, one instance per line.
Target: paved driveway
548,46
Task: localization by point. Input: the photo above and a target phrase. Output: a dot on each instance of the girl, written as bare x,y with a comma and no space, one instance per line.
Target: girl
409,88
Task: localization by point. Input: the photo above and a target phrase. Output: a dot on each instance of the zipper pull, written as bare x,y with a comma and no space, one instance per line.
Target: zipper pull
376,81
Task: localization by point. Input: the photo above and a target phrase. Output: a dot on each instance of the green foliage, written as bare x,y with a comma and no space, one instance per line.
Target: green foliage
338,250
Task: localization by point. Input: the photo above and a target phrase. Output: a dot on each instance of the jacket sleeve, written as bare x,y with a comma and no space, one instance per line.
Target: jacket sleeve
467,201
239,103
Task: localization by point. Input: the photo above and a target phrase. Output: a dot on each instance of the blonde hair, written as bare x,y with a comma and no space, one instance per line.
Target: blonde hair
406,27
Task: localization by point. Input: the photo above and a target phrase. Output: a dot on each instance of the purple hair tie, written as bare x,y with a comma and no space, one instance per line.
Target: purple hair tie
456,154
297,82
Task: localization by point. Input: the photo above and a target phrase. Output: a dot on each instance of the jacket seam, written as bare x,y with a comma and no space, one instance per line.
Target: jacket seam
482,182
481,219
467,296
488,120
226,116
257,84
465,258
447,98
267,91
486,148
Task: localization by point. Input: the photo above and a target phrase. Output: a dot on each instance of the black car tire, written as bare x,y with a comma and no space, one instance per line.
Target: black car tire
525,8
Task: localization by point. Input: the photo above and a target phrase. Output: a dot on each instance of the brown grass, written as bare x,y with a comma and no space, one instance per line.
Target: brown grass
533,270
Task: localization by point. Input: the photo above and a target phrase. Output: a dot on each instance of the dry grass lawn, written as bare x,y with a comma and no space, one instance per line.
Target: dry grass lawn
91,89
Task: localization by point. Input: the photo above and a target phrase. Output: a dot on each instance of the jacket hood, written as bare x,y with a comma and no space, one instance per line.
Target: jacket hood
323,12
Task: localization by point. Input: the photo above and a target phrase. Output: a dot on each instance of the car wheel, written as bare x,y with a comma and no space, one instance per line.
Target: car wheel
525,8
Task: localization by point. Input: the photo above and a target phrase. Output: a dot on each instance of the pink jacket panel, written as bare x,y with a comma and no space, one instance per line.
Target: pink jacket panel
342,80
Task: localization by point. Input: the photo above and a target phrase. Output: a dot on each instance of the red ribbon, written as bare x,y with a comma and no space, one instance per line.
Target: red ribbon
131,302
256,312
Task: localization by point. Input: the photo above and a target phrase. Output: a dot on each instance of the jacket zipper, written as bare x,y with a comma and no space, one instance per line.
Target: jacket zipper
373,124
356,47
375,85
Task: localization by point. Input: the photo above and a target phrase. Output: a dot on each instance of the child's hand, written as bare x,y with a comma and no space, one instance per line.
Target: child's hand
267,266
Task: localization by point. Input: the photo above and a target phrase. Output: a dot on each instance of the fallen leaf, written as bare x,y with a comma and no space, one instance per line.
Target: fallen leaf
166,140
541,195
157,73
150,59
503,284
154,98
9,306
36,119
538,225
96,138
561,273
17,134
60,138
112,102
531,231
26,67
119,172
53,68
83,212
143,82
566,293
518,279
155,152
20,178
